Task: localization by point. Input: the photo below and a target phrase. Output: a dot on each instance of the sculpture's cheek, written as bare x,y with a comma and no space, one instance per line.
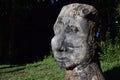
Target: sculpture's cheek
82,53
79,54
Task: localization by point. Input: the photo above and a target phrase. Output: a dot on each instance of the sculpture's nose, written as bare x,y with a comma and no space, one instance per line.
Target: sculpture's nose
57,43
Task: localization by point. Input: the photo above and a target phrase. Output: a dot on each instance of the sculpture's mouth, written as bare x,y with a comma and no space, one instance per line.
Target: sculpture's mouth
66,64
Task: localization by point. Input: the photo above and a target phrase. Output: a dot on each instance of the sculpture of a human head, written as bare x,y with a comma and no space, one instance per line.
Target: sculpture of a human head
74,29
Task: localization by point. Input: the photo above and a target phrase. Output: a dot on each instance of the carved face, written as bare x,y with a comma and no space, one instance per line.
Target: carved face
69,44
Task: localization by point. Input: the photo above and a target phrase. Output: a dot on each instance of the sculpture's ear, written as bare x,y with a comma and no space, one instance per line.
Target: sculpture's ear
90,15
85,11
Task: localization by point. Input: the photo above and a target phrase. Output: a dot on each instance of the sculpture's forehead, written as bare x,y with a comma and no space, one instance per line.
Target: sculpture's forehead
75,15
76,9
71,21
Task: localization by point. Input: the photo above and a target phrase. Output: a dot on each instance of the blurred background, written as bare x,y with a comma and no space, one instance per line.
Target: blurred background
26,26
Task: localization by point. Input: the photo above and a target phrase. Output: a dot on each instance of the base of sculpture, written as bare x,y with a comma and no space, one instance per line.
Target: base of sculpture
84,72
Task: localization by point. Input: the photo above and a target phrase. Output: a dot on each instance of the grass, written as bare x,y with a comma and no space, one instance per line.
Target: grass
111,56
43,70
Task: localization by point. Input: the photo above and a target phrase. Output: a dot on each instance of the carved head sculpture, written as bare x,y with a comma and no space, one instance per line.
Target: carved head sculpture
74,30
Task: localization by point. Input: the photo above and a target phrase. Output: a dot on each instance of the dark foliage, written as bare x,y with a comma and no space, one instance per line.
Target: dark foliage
27,26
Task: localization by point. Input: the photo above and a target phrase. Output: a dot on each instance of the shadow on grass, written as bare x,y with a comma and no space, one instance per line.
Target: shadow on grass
113,74
11,69
7,66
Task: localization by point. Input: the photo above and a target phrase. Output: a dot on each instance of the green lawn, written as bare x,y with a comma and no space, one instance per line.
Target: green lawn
49,70
43,70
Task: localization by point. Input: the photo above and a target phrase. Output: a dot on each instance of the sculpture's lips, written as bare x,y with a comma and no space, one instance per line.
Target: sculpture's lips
61,61
66,64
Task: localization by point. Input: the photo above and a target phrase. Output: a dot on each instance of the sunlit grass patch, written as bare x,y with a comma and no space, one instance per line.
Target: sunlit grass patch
42,70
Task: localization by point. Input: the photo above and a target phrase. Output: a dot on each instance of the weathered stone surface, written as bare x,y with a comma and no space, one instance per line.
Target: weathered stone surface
74,45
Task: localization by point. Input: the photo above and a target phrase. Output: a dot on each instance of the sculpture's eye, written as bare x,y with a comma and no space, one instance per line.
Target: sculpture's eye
71,29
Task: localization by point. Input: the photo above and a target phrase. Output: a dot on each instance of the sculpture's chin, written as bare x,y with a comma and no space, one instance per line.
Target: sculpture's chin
62,64
67,65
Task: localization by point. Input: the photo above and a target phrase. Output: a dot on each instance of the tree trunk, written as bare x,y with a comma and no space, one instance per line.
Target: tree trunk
11,29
